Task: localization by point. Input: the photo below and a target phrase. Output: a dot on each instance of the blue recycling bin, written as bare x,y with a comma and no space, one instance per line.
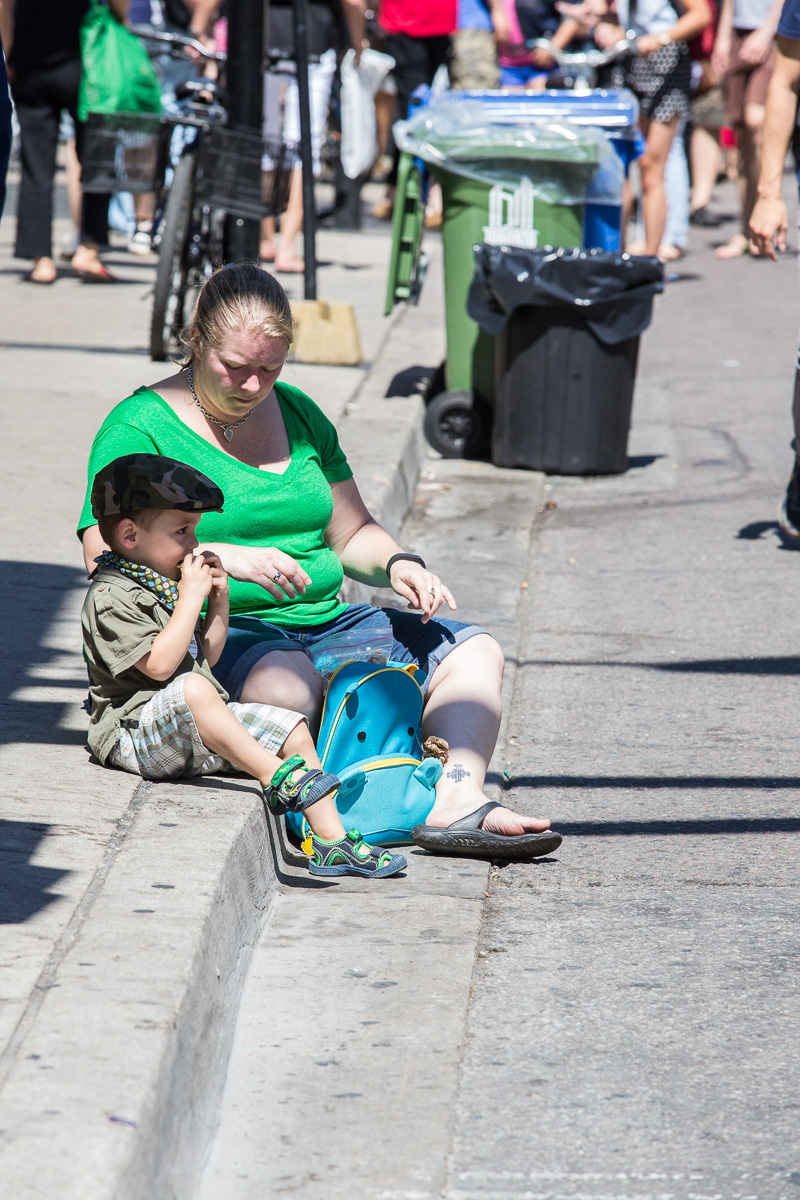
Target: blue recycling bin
616,113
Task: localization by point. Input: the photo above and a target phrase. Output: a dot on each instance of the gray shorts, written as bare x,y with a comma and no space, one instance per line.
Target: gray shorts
165,743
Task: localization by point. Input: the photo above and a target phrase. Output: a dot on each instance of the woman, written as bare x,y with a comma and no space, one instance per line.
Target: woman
660,75
294,524
44,66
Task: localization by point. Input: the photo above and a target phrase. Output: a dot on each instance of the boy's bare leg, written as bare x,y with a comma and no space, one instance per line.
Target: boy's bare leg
223,734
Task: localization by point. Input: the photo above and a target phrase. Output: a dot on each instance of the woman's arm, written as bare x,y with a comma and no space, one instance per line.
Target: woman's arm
693,21
770,221
93,546
364,548
7,25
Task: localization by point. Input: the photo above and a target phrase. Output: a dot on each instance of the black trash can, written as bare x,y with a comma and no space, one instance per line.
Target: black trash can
567,325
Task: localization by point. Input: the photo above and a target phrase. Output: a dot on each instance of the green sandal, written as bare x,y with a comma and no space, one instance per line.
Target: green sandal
282,795
352,856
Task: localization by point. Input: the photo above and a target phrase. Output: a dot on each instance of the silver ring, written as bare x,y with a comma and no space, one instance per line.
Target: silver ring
276,576
432,591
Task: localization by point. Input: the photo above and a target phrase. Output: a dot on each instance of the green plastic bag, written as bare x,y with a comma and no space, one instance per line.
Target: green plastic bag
116,72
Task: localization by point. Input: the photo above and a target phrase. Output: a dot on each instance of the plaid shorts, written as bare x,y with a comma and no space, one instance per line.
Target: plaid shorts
165,742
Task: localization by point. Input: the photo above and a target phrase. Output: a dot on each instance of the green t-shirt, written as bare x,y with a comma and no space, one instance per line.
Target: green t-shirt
290,511
120,620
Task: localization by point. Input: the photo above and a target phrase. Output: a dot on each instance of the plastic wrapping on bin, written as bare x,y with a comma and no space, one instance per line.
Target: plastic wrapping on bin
614,291
556,156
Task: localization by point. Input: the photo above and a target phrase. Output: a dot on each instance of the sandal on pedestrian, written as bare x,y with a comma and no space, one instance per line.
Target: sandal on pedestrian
285,794
101,276
737,247
352,856
704,219
466,839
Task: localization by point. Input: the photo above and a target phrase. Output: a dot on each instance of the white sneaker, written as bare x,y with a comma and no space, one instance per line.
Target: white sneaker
141,242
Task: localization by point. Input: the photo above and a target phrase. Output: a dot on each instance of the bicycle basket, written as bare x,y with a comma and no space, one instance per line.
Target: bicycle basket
243,173
124,152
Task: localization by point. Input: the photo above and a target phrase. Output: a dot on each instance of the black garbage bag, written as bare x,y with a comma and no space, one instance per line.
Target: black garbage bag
614,291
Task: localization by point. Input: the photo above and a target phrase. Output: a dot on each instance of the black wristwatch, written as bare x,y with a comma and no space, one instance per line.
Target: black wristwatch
396,558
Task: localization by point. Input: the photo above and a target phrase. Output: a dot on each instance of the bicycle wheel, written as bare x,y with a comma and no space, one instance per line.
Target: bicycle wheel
171,273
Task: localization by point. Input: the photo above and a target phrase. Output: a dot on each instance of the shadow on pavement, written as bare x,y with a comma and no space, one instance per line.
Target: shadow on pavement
675,782
667,828
785,665
756,530
23,886
34,593
412,381
75,346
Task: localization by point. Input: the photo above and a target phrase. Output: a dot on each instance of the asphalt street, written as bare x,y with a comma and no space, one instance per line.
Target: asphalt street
632,1031
629,1024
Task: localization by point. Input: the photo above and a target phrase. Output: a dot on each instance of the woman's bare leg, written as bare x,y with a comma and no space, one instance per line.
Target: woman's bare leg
291,224
706,165
224,735
659,137
464,706
287,679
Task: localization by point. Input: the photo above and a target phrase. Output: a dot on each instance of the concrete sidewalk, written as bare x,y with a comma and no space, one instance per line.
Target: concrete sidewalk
130,909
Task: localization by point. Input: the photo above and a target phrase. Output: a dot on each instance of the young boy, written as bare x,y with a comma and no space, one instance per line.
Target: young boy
157,710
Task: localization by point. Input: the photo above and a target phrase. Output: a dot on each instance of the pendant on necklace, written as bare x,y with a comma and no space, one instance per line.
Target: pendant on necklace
229,434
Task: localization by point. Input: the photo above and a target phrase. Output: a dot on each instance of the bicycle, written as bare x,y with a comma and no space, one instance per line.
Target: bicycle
579,68
222,171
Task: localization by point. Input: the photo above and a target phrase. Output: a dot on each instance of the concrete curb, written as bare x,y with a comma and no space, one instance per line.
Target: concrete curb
117,1067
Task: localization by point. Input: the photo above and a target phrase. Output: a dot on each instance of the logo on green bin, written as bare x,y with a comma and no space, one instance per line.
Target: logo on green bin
511,216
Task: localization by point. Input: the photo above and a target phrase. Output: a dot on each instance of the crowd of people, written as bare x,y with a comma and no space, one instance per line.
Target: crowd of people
700,74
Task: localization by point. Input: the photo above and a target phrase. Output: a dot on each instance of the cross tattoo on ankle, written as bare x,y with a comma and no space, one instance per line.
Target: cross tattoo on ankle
458,773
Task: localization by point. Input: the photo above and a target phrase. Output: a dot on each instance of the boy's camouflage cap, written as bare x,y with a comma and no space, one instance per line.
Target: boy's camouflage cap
138,481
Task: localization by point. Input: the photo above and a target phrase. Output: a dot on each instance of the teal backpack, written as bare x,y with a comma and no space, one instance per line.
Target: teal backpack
371,738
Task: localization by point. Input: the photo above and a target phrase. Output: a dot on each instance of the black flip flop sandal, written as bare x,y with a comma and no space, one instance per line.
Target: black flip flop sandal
465,839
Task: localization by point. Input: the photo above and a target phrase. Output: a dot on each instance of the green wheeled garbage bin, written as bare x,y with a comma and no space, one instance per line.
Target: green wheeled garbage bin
500,186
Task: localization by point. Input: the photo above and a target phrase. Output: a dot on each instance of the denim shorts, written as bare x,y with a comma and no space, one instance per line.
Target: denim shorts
250,638
520,76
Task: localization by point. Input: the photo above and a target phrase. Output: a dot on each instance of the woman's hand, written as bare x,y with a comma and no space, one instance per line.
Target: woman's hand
420,587
270,568
647,44
769,223
607,34
756,47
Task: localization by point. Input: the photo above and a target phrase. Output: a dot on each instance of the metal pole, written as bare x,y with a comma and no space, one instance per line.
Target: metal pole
245,91
306,153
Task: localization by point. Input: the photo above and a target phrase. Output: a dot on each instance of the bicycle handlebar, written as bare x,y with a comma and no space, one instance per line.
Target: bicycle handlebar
178,40
580,58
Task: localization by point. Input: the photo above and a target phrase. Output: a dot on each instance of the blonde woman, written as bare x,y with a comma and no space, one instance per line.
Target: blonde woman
294,525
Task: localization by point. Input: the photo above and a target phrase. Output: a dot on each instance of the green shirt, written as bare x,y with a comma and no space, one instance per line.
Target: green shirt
120,620
289,511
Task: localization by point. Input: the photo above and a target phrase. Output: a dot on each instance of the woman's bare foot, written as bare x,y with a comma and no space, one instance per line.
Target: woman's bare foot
735,248
669,253
87,265
266,251
44,271
289,264
449,808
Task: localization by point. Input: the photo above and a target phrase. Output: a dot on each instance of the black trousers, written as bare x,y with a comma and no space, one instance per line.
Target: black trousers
416,61
40,97
5,128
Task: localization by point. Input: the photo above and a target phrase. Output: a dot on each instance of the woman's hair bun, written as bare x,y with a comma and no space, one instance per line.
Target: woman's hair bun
239,296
